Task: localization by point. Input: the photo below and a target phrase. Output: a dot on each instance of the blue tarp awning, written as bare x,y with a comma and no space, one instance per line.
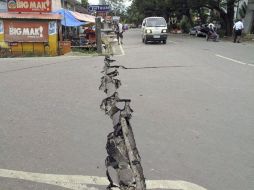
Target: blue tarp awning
68,19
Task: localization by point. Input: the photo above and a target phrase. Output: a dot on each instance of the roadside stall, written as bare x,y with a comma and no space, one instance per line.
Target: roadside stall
77,28
68,34
87,32
28,28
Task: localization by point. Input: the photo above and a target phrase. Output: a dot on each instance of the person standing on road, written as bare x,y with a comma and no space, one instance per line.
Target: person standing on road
119,32
238,28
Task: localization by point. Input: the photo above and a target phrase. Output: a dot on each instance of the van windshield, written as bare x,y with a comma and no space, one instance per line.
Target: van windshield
156,22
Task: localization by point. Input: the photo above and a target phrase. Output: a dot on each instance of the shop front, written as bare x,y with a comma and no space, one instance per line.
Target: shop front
33,34
28,28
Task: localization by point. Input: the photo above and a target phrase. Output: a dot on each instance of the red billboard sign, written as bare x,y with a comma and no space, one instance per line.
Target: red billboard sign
29,5
29,31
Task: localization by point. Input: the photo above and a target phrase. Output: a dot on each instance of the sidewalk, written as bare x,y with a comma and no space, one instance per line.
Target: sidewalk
117,49
114,48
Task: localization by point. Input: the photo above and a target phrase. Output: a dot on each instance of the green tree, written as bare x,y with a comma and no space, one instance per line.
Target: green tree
185,24
117,6
242,10
84,3
225,8
165,8
134,16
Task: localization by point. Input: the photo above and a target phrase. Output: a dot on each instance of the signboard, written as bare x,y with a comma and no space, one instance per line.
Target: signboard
29,5
13,43
52,28
1,27
21,31
116,18
98,8
3,6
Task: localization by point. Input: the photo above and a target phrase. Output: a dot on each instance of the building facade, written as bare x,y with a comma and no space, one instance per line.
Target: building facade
27,28
74,5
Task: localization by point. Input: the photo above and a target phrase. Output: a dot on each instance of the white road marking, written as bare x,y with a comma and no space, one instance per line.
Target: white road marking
121,48
172,41
251,65
234,60
79,182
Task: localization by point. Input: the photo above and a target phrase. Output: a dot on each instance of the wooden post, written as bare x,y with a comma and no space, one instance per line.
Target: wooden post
98,34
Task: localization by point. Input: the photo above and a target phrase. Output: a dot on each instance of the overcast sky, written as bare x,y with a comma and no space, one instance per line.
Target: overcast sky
93,2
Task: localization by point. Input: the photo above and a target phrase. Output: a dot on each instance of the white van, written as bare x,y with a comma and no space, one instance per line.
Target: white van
154,29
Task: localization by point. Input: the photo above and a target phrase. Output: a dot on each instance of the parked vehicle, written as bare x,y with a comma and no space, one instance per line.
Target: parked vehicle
199,31
133,26
154,29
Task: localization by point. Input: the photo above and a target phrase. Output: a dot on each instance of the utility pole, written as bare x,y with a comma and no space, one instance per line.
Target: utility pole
98,34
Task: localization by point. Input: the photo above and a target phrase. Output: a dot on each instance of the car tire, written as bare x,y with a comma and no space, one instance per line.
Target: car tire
164,41
145,40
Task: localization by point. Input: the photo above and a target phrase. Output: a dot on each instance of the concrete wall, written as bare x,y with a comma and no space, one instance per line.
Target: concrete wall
249,18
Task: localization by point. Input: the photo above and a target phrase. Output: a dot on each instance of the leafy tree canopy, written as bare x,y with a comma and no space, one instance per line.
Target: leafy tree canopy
84,3
178,8
117,6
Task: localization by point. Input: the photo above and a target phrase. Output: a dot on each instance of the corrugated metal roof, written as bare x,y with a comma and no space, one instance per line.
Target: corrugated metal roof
38,16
